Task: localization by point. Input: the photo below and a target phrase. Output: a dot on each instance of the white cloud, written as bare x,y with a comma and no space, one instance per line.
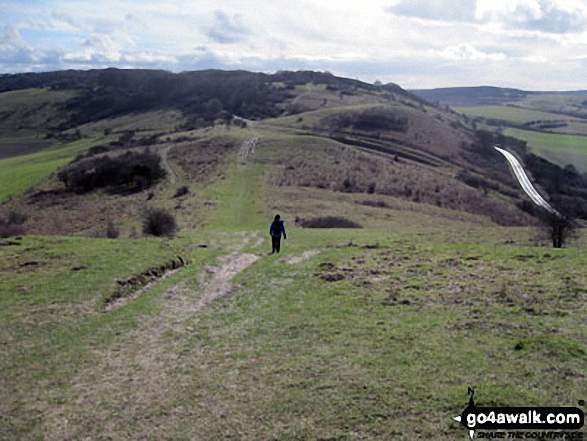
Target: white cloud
11,39
226,29
469,52
443,10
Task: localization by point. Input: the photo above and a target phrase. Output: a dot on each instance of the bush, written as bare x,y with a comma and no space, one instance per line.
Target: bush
131,171
158,222
380,119
111,231
12,225
181,191
16,218
377,204
8,230
329,222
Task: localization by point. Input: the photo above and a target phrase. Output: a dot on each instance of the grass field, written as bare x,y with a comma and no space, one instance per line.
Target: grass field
512,114
556,102
154,121
560,149
19,173
561,145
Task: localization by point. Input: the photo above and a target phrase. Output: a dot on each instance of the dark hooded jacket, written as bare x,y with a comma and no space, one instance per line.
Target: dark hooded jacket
277,228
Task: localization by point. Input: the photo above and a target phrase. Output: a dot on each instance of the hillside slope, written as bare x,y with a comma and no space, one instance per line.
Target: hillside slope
314,130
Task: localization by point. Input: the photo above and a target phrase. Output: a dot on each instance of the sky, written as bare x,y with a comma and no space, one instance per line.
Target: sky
418,44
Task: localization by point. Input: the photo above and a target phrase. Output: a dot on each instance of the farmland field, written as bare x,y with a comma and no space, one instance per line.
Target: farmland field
560,149
512,114
18,173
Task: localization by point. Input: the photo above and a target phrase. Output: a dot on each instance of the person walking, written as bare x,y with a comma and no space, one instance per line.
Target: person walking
275,231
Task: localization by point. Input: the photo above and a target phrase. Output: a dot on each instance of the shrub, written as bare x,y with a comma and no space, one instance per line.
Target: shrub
16,218
159,222
181,191
132,170
377,204
329,222
111,230
9,230
380,119
12,225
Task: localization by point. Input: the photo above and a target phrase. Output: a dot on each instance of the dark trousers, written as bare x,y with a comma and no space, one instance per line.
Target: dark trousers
276,243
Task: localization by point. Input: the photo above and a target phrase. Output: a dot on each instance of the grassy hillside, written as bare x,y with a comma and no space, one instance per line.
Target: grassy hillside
30,112
553,124
516,115
349,334
373,332
21,172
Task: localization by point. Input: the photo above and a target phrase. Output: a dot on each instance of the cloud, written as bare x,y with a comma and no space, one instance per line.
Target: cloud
466,51
201,58
98,48
442,10
13,49
545,16
11,39
226,30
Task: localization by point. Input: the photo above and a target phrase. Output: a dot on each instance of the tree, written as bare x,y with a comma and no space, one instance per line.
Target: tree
559,228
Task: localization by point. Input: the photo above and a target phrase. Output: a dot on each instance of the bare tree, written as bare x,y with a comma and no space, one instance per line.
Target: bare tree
559,228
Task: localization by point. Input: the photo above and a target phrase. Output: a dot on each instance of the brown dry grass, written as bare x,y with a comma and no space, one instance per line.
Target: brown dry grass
202,161
313,162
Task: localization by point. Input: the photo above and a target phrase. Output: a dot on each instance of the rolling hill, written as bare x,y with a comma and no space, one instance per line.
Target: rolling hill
319,130
554,124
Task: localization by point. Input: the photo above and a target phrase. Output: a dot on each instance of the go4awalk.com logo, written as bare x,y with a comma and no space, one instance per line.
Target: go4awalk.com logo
522,422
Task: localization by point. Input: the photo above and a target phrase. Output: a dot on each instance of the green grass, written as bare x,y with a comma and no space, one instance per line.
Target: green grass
511,114
239,199
560,149
52,316
142,123
556,102
18,174
387,351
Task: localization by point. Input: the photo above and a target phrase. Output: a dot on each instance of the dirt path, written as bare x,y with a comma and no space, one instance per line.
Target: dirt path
247,148
294,260
219,283
167,166
143,371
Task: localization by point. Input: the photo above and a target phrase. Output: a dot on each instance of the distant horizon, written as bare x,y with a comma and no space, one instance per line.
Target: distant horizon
311,70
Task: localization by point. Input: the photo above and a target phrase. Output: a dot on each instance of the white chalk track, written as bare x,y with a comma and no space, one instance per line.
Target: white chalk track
525,182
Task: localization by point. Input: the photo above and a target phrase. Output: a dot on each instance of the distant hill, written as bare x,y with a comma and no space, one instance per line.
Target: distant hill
316,130
480,96
199,95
